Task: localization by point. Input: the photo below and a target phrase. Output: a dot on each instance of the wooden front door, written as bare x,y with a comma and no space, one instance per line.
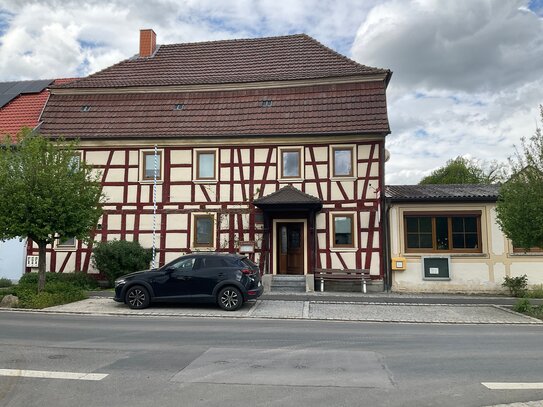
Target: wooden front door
290,248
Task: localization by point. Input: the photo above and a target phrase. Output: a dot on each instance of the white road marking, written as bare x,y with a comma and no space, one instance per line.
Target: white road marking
513,386
52,375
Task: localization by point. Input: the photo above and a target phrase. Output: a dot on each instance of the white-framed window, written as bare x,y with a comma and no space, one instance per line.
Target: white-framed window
203,230
75,161
343,161
148,164
290,163
205,165
66,244
343,231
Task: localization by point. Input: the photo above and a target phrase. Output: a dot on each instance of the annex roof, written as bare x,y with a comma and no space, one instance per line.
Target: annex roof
291,57
25,101
288,197
355,108
442,193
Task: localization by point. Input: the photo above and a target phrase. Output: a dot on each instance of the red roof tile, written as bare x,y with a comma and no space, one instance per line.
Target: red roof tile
24,111
293,57
319,109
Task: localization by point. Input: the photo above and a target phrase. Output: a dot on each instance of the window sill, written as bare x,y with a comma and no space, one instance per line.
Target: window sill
290,179
202,249
449,254
205,181
151,182
345,178
65,249
525,254
343,249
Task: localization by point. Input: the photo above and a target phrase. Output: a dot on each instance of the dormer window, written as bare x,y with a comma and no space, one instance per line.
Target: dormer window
85,108
267,103
179,106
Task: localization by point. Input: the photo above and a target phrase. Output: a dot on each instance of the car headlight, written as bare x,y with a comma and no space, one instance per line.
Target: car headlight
119,282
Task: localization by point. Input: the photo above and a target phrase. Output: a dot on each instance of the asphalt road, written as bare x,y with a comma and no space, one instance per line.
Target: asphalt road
168,361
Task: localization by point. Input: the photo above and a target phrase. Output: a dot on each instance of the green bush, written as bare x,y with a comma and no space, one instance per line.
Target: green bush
518,286
535,292
54,294
525,306
80,280
5,282
118,257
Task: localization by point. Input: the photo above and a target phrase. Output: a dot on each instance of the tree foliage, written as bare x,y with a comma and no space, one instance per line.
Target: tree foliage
45,193
520,205
118,257
461,170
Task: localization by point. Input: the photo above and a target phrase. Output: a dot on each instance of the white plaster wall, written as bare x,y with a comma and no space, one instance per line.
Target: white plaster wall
12,259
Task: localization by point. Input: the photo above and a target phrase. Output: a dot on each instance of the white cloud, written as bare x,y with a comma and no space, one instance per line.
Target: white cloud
467,74
467,78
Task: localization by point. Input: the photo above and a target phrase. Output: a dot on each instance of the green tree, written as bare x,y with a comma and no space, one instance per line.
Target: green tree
465,171
519,208
46,193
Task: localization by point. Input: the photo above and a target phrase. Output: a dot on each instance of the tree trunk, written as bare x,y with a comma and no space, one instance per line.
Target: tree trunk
42,246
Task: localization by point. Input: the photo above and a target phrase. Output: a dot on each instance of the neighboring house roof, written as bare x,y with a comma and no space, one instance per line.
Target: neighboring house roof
22,102
442,193
288,196
292,57
355,108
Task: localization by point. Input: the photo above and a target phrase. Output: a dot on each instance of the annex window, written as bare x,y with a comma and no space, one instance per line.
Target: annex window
68,243
203,233
343,230
342,161
291,162
150,164
75,162
443,233
205,167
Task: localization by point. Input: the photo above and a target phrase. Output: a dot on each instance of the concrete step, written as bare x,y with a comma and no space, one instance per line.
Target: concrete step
292,284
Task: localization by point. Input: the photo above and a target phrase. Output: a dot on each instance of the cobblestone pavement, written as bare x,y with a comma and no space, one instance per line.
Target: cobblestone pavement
317,310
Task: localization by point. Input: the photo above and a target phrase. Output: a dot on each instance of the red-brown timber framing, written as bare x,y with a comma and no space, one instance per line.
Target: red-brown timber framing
237,214
316,100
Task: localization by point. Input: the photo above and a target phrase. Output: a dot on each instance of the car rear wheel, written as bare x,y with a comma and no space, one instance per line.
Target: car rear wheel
229,298
137,297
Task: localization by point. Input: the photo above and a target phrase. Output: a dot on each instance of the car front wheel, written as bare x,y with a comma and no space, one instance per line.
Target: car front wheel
229,298
137,297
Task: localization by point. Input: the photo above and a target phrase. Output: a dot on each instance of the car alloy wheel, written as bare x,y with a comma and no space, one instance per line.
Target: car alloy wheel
137,297
230,299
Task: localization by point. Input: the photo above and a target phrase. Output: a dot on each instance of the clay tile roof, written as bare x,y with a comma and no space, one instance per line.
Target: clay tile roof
288,195
292,57
443,193
357,108
25,101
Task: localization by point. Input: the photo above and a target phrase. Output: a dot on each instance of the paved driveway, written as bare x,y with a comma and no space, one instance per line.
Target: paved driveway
316,310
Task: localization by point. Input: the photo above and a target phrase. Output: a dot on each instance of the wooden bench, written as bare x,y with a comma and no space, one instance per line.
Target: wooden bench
355,275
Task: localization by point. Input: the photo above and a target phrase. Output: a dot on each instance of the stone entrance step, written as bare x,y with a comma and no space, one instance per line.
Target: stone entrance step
288,284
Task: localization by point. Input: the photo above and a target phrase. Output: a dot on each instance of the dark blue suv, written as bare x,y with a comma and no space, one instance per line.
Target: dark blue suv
226,279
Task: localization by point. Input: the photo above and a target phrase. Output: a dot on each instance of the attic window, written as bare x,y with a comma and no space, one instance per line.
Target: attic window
85,108
179,106
267,103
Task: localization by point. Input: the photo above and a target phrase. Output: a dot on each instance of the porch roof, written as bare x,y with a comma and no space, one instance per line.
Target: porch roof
288,198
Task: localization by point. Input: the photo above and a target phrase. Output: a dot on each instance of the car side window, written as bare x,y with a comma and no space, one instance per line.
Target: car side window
184,264
212,262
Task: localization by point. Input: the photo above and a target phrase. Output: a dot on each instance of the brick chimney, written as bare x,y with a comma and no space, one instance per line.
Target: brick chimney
147,42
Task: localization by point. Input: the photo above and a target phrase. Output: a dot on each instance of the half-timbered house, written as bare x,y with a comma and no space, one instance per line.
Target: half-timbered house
270,146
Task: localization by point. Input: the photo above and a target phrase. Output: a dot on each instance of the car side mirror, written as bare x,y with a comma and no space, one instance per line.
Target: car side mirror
169,270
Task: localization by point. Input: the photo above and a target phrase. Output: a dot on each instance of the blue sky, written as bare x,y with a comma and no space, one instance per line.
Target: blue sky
467,73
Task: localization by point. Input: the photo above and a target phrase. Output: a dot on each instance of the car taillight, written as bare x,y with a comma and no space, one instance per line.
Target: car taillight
247,271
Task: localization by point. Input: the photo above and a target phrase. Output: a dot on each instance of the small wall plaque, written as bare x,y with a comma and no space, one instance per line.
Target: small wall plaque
247,247
32,261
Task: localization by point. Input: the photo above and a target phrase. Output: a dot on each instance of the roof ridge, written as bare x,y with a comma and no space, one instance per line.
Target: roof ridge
273,37
334,52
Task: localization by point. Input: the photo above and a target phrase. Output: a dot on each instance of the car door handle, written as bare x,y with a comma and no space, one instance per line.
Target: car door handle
183,277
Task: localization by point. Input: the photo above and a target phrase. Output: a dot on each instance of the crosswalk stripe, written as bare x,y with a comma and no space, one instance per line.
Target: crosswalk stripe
44,374
513,386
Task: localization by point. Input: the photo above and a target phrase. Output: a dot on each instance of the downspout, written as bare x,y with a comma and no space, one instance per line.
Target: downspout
387,254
